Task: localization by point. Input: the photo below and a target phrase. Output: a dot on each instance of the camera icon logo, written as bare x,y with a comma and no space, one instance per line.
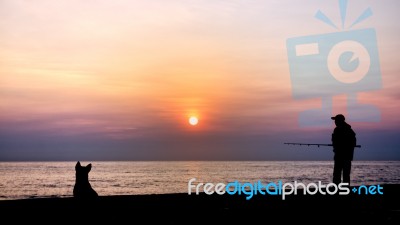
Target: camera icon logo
325,65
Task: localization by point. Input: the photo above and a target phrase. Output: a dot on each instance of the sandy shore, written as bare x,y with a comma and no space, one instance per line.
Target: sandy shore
187,209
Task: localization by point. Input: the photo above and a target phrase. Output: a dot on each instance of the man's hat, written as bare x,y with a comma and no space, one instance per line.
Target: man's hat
338,117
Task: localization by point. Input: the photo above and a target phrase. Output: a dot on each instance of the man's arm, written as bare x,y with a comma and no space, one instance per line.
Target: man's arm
354,139
334,138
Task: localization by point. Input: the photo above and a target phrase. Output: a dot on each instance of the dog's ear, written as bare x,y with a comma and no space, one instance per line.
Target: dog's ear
89,167
78,165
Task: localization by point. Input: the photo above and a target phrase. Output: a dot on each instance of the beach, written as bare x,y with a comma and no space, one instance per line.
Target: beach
199,112
186,209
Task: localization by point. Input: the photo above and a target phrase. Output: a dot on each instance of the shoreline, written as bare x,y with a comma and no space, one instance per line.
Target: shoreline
174,208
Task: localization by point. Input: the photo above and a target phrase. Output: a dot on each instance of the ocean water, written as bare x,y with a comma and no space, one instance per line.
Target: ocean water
20,180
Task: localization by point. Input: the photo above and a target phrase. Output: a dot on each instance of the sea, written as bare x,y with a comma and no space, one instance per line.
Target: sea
24,180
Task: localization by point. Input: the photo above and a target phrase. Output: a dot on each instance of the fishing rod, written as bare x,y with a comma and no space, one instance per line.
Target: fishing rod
357,146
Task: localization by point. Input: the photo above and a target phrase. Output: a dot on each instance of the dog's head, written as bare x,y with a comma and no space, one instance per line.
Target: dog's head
82,172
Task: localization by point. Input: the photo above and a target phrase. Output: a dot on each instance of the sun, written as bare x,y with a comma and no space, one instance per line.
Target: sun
193,120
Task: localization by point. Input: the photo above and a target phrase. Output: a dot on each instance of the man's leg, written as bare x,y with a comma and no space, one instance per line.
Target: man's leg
346,171
337,171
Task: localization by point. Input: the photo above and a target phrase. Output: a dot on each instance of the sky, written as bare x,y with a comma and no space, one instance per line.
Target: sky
118,80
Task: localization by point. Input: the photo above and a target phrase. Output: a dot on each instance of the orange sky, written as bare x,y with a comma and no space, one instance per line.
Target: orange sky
126,70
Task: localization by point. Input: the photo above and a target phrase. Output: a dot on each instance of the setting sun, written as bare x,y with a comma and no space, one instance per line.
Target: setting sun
193,121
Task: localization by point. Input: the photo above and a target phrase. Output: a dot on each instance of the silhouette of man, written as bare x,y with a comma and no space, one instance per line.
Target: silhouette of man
343,141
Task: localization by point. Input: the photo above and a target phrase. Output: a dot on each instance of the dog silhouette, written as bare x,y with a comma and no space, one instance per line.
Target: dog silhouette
82,188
